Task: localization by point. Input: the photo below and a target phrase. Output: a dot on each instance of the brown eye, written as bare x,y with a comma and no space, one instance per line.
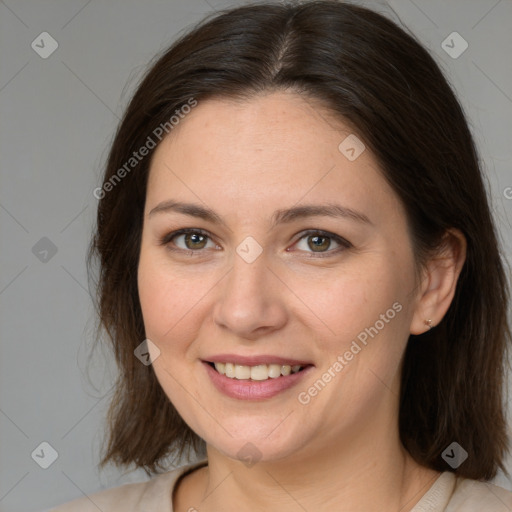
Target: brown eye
188,240
321,243
195,241
318,243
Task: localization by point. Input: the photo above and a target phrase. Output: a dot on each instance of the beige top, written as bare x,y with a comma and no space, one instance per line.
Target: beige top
449,493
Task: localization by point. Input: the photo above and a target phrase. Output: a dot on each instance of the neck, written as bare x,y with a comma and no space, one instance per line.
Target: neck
358,475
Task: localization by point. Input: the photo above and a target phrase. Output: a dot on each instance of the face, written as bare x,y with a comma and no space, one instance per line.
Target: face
295,259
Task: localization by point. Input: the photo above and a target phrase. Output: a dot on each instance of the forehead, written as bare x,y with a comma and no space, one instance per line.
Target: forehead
273,148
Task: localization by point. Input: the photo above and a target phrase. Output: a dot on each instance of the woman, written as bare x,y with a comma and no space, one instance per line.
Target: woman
300,275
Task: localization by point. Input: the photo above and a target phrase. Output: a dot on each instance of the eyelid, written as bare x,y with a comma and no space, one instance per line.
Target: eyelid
166,239
344,244
172,234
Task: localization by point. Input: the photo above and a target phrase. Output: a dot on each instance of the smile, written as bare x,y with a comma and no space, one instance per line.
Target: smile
257,381
258,372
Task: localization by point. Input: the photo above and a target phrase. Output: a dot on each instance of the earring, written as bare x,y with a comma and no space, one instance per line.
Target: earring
428,323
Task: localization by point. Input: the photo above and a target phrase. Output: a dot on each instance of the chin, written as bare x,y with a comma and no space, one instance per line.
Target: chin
256,441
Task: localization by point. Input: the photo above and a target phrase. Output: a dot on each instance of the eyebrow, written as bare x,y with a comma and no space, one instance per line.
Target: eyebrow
279,217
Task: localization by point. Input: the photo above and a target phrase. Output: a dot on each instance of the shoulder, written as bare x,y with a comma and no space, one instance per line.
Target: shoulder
126,498
473,495
154,494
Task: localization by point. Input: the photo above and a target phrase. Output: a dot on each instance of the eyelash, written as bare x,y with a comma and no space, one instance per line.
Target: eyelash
344,244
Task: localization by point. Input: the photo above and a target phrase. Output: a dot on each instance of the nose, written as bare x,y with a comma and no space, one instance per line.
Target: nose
250,300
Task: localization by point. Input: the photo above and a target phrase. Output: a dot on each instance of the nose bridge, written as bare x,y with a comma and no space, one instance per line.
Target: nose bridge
248,277
247,301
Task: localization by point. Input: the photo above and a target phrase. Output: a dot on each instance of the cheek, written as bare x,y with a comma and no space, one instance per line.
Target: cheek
156,301
172,301
350,301
161,296
368,320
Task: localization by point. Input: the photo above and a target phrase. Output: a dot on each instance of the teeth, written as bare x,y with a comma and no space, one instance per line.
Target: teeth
230,370
258,372
274,371
242,372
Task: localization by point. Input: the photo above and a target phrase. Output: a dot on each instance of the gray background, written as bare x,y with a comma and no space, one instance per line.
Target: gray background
58,116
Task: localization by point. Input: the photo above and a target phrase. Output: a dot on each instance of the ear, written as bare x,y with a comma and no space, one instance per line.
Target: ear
439,281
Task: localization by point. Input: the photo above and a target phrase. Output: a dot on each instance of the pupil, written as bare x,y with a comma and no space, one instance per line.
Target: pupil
195,238
319,242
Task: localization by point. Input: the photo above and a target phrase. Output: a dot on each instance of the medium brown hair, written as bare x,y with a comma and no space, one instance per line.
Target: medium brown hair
377,78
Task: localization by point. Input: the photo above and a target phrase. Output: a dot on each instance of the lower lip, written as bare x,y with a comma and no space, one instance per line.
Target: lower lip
254,389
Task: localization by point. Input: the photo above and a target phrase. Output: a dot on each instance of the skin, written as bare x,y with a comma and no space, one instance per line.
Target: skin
244,160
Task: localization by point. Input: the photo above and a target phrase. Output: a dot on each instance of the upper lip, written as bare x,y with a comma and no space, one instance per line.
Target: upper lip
255,360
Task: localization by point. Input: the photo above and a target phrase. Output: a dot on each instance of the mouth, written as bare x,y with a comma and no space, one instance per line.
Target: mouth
258,372
265,378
